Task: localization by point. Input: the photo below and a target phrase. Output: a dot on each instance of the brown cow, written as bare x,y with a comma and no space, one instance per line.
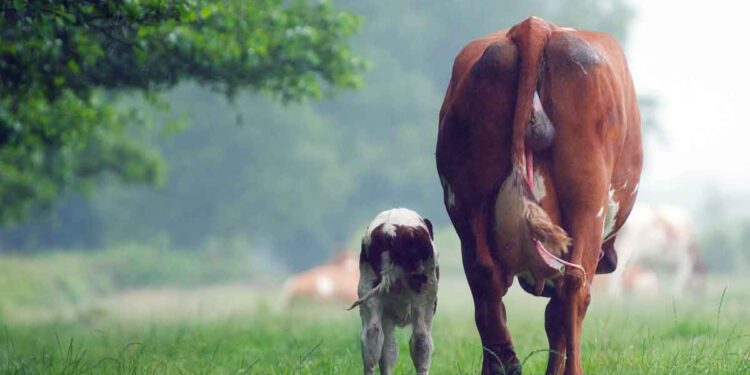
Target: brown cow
335,281
539,147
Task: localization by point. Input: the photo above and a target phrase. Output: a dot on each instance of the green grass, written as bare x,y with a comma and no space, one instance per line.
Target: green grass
72,278
710,335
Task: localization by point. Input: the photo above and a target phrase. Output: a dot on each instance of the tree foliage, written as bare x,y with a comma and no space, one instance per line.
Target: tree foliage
64,64
303,180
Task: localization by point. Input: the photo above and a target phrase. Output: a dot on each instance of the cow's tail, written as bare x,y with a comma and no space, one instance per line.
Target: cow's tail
548,240
388,277
530,37
376,291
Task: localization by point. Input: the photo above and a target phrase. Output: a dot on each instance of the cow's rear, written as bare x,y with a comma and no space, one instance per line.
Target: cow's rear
398,286
539,141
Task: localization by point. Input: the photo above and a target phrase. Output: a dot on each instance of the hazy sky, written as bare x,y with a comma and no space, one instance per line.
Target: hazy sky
694,57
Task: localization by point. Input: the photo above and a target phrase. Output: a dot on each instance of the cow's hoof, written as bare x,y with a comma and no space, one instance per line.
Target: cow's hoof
509,369
500,361
513,369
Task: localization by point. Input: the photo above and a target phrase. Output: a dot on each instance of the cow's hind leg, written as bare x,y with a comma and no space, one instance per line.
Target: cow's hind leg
488,286
554,324
584,205
577,296
584,213
389,356
585,106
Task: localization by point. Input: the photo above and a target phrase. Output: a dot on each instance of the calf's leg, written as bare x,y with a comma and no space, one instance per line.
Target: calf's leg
372,337
420,344
389,355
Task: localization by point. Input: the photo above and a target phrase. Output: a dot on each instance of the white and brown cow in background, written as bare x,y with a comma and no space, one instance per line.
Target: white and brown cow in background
658,245
335,281
398,287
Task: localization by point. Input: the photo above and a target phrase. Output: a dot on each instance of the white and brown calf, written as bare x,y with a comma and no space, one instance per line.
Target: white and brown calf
397,287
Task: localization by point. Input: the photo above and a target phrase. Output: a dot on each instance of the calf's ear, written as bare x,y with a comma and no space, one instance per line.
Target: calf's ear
428,223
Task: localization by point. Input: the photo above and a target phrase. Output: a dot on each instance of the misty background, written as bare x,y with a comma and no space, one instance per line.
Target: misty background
249,184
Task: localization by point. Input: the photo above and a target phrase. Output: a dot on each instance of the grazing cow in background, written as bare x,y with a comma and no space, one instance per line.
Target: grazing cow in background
634,281
397,287
661,239
335,281
539,155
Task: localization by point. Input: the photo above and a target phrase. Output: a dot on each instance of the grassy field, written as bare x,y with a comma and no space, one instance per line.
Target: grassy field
710,335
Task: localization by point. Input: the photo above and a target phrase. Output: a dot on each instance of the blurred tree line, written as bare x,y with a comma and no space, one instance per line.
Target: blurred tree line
64,63
295,178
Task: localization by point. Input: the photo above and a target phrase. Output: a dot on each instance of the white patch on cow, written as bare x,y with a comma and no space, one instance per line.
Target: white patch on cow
449,195
609,220
601,212
324,285
635,189
540,190
389,229
567,29
451,198
625,185
390,219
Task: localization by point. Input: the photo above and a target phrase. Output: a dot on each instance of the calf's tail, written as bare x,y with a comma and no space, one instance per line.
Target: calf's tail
387,279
